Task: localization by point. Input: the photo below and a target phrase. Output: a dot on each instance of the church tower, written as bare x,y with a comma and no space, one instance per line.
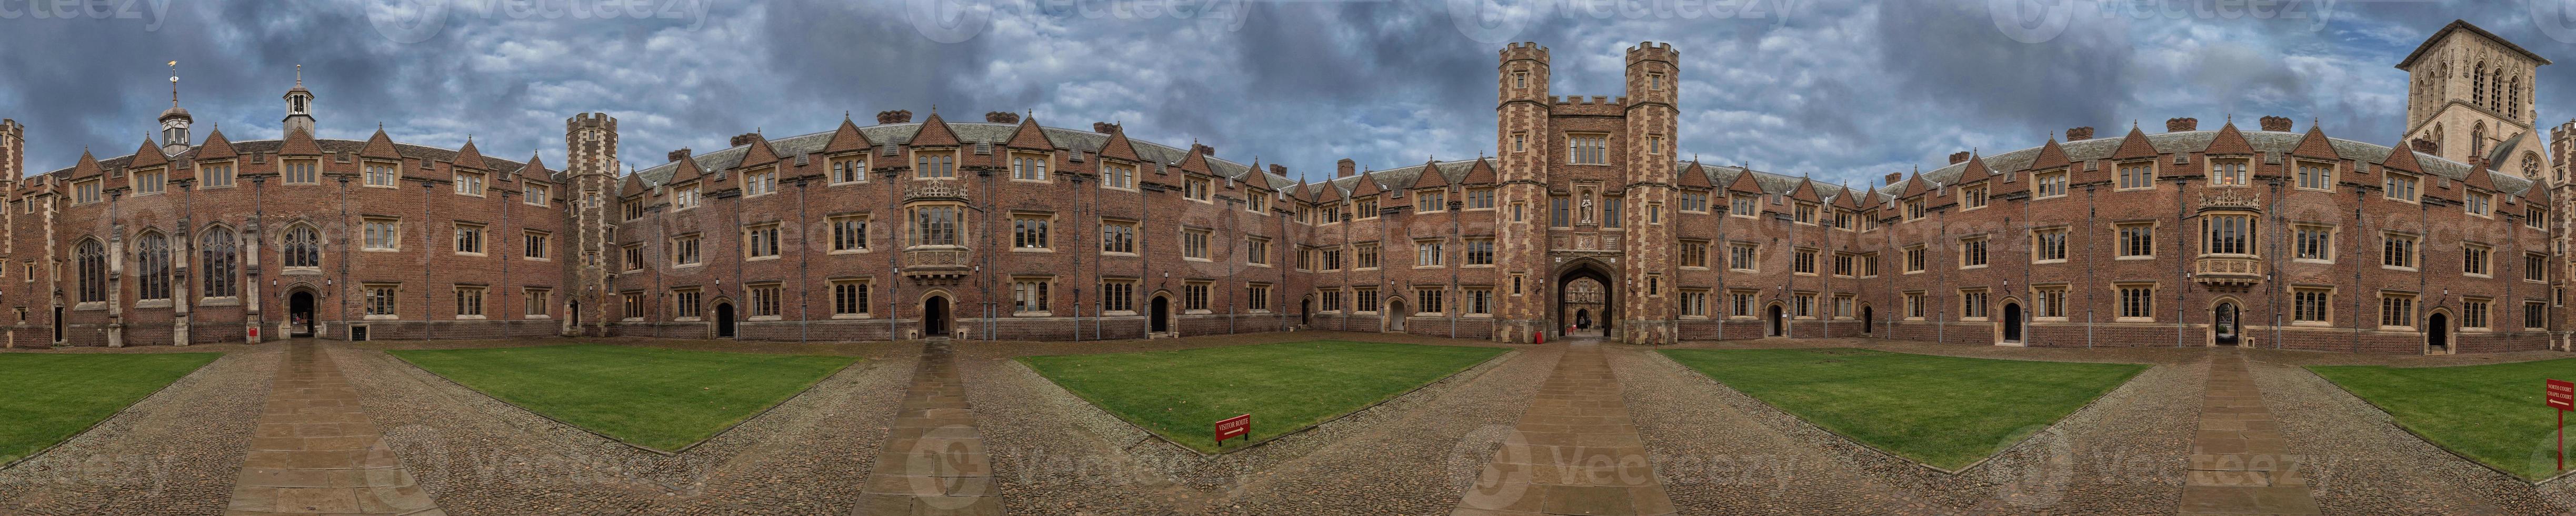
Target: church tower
2469,94
1648,273
1520,139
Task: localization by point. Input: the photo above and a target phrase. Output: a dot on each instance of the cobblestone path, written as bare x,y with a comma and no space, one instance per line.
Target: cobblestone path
1575,451
316,452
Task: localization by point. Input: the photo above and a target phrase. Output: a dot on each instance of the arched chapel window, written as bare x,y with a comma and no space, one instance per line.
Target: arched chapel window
93,271
219,245
153,253
303,247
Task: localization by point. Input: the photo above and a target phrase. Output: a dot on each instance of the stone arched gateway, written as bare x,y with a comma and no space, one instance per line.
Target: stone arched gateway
1584,292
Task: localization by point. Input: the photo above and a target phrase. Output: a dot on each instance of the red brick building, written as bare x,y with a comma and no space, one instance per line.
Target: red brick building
1585,220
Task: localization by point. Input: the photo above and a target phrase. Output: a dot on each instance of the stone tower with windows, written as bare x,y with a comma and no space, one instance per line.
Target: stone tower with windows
1646,314
1521,132
2469,93
590,147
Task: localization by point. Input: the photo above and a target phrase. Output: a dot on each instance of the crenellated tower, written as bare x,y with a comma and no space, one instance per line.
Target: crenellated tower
1521,129
590,149
1647,295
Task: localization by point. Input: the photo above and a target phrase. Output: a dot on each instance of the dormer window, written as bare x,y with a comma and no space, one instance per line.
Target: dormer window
760,182
469,182
934,164
85,192
380,174
2228,172
216,175
851,169
684,196
150,181
535,193
300,172
1029,167
1196,189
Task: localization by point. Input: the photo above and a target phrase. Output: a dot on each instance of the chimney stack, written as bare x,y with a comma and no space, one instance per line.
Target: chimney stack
898,116
1104,127
1958,157
1278,170
1892,177
2079,133
678,155
1348,168
1208,150
744,139
2173,125
1002,117
2426,145
2276,123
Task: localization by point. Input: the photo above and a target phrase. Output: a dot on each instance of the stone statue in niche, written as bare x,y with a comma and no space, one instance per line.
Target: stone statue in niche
1587,207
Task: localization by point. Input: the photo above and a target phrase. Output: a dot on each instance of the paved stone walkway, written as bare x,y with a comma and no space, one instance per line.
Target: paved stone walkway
2239,462
934,461
316,452
1575,451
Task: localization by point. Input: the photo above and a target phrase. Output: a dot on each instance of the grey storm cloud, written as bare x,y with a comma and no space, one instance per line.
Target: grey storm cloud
1838,89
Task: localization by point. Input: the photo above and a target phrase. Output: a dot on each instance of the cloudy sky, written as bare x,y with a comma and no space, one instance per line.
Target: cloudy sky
1842,90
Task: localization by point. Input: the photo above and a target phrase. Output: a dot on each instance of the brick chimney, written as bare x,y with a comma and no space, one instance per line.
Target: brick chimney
1893,176
1208,150
2426,145
1278,170
681,154
2079,133
1002,117
2276,123
898,116
1348,168
744,139
2182,124
1958,157
1104,127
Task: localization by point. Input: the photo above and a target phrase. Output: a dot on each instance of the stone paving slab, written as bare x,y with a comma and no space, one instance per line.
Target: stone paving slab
934,461
1575,451
314,451
2240,464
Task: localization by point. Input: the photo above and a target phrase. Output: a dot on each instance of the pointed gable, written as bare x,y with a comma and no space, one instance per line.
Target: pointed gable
1030,136
2315,145
1805,191
634,186
1847,199
1256,179
467,157
1366,186
1330,193
1195,161
299,143
87,166
2402,158
2478,180
2134,146
379,146
1976,170
1430,177
758,154
1483,173
684,171
1693,177
535,170
2228,141
1744,183
1119,147
847,138
934,133
1301,192
146,157
2050,157
216,146
1914,186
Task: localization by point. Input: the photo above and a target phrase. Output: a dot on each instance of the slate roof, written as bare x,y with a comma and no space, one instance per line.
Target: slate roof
245,148
968,133
2267,144
1456,172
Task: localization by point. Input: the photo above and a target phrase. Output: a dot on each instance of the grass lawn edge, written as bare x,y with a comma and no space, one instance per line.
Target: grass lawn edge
111,416
1205,453
728,428
2419,435
2017,440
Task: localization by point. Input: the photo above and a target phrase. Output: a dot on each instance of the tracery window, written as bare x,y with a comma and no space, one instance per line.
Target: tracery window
303,247
93,271
219,246
153,253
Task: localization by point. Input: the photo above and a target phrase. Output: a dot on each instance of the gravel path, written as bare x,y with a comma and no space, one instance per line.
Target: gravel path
1721,452
2360,462
809,455
175,452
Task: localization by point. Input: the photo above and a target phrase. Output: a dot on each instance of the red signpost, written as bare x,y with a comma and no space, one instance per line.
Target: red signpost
1232,427
2562,396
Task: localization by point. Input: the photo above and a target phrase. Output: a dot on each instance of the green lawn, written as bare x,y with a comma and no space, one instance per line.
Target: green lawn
1180,395
52,396
2492,413
1948,412
658,398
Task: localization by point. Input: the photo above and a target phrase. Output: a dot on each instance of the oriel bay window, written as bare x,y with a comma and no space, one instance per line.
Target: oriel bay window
937,225
2228,234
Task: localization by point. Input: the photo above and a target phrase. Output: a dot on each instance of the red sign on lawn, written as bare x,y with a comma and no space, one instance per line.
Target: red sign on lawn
2562,395
1233,427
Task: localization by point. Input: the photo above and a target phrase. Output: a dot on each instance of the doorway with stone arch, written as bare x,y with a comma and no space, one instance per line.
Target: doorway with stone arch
1391,319
299,313
934,316
724,318
1583,294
